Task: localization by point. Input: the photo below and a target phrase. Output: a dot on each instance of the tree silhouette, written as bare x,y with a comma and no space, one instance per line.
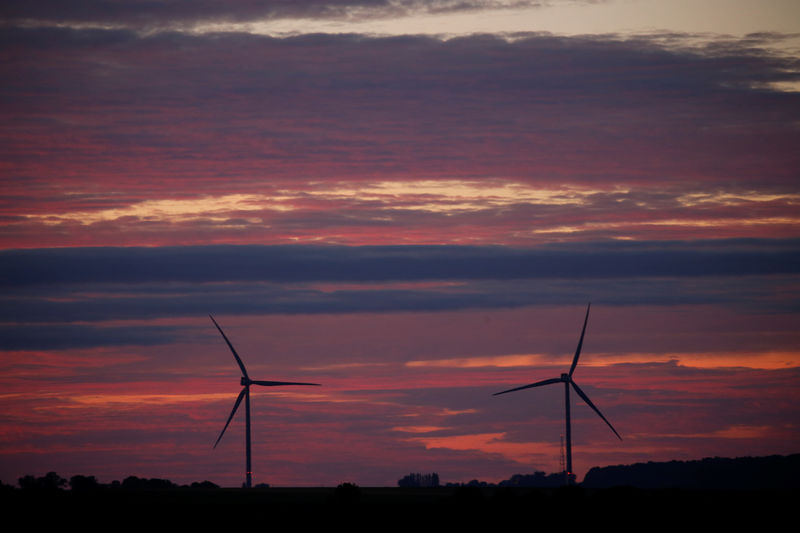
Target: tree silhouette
347,494
537,479
207,485
419,480
771,472
81,483
50,481
136,483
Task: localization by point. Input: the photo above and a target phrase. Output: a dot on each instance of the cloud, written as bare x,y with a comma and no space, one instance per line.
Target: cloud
200,264
64,298
68,336
147,15
469,210
538,107
115,138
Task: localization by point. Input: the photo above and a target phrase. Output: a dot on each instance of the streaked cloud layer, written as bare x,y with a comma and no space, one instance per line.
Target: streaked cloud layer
112,138
401,17
414,218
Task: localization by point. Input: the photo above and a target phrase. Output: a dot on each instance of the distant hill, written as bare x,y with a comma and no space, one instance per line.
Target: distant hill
742,473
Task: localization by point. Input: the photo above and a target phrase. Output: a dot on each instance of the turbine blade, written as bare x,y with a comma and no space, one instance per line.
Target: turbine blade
537,384
580,342
279,383
236,355
233,412
596,410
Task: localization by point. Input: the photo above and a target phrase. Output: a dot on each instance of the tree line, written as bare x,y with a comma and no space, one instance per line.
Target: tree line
537,479
52,482
771,472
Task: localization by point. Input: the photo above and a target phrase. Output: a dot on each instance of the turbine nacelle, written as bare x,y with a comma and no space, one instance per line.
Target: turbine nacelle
566,378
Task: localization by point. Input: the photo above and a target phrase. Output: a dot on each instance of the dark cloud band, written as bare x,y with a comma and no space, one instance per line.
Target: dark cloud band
67,336
19,268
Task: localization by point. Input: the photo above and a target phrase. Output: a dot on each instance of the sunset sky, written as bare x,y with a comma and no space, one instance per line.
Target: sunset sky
410,202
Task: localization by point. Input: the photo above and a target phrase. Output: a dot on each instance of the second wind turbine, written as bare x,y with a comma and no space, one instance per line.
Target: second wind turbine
246,382
567,380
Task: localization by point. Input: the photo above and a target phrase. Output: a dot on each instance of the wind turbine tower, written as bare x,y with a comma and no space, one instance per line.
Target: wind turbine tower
567,380
245,393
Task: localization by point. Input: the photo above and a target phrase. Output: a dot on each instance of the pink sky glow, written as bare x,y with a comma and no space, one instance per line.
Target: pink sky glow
415,221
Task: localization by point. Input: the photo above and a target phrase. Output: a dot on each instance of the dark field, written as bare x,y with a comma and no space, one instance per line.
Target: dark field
393,508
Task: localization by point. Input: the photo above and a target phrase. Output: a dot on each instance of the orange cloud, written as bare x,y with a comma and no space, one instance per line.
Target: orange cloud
418,429
490,443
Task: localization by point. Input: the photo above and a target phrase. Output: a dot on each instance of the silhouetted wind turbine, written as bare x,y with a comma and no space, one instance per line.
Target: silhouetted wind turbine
246,382
567,380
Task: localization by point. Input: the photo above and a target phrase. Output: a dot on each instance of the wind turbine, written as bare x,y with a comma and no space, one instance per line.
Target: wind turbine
246,382
567,380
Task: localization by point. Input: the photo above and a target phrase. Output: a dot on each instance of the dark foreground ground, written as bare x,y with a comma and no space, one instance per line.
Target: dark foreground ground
400,508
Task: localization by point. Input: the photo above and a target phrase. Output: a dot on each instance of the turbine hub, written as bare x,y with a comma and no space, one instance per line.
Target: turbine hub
564,377
245,382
